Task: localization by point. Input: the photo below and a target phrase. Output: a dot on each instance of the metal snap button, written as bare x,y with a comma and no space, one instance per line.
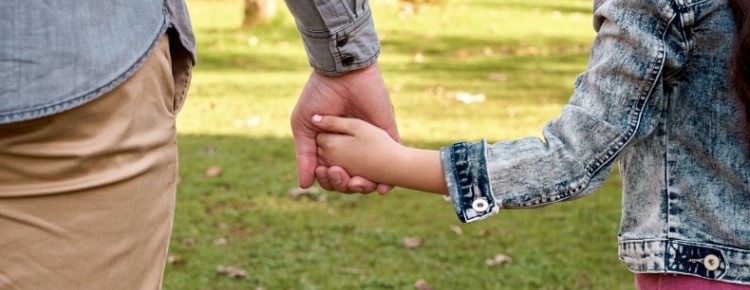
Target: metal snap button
341,41
711,262
347,59
480,205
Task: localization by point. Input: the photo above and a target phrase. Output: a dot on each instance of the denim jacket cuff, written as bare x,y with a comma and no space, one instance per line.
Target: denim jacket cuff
353,47
467,177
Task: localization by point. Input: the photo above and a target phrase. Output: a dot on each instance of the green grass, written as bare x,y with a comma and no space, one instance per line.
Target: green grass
523,55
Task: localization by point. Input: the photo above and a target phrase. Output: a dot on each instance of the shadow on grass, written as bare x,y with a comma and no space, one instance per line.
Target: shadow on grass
244,217
540,5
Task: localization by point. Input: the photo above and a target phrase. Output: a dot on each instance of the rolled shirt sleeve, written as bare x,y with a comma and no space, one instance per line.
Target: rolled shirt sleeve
619,101
339,36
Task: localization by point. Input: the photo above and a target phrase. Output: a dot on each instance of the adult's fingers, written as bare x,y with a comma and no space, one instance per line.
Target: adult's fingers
321,174
339,179
361,185
307,159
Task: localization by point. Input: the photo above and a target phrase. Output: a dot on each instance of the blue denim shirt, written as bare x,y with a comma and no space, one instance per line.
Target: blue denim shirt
56,55
655,98
339,36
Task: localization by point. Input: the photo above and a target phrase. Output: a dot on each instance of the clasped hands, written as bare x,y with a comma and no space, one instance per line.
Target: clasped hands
358,94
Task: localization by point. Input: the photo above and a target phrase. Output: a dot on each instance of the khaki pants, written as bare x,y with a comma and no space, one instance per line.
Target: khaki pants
87,195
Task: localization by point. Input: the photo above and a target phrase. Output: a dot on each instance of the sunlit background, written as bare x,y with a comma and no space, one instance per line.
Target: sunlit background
457,70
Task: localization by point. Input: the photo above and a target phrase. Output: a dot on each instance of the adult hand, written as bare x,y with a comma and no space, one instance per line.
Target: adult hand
357,94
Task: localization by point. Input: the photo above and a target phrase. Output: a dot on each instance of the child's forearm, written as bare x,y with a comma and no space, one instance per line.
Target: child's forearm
419,170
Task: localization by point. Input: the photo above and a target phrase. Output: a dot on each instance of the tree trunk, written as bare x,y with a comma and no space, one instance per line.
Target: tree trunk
258,12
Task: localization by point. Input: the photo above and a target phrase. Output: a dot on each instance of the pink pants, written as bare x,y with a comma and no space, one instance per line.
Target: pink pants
682,282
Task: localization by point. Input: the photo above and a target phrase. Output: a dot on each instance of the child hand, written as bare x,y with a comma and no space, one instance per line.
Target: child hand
357,146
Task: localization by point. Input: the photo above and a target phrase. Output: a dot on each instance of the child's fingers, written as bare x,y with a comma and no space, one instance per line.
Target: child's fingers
336,124
323,140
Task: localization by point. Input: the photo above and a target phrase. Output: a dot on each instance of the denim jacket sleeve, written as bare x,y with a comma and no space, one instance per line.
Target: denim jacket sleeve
616,101
339,36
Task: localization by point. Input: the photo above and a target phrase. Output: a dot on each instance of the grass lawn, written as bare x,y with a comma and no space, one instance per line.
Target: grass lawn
237,157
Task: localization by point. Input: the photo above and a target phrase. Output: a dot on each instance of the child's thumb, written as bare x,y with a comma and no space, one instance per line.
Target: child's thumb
334,124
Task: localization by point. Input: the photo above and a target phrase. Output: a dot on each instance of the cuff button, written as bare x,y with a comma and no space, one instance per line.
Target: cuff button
347,59
711,262
341,41
480,205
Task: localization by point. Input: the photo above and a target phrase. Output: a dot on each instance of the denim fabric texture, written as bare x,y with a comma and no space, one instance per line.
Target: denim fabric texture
339,36
55,55
655,98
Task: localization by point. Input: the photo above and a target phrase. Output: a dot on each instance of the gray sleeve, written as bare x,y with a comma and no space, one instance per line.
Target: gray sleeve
339,35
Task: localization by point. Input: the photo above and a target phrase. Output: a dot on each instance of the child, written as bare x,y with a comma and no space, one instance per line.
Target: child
657,99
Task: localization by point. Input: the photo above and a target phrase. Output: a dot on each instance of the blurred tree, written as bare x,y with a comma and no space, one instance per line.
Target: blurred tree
258,12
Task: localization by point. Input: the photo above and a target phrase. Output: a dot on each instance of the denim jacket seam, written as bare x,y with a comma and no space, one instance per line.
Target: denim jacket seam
682,10
635,116
669,246
468,186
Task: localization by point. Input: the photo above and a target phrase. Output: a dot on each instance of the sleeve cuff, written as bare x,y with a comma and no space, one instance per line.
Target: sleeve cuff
353,47
467,177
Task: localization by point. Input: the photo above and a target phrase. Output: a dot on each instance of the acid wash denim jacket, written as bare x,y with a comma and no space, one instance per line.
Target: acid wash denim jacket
56,55
655,99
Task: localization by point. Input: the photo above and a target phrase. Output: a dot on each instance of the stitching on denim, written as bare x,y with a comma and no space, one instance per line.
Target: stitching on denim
634,120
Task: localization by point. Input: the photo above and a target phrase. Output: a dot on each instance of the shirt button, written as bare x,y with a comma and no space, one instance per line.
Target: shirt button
342,41
480,205
347,59
711,262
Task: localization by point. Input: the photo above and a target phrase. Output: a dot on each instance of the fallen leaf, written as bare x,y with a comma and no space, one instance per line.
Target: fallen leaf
498,77
457,230
252,121
436,90
187,241
421,284
253,41
487,51
298,192
419,57
406,10
232,272
462,54
467,98
412,242
499,259
220,242
353,271
484,232
213,171
175,260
